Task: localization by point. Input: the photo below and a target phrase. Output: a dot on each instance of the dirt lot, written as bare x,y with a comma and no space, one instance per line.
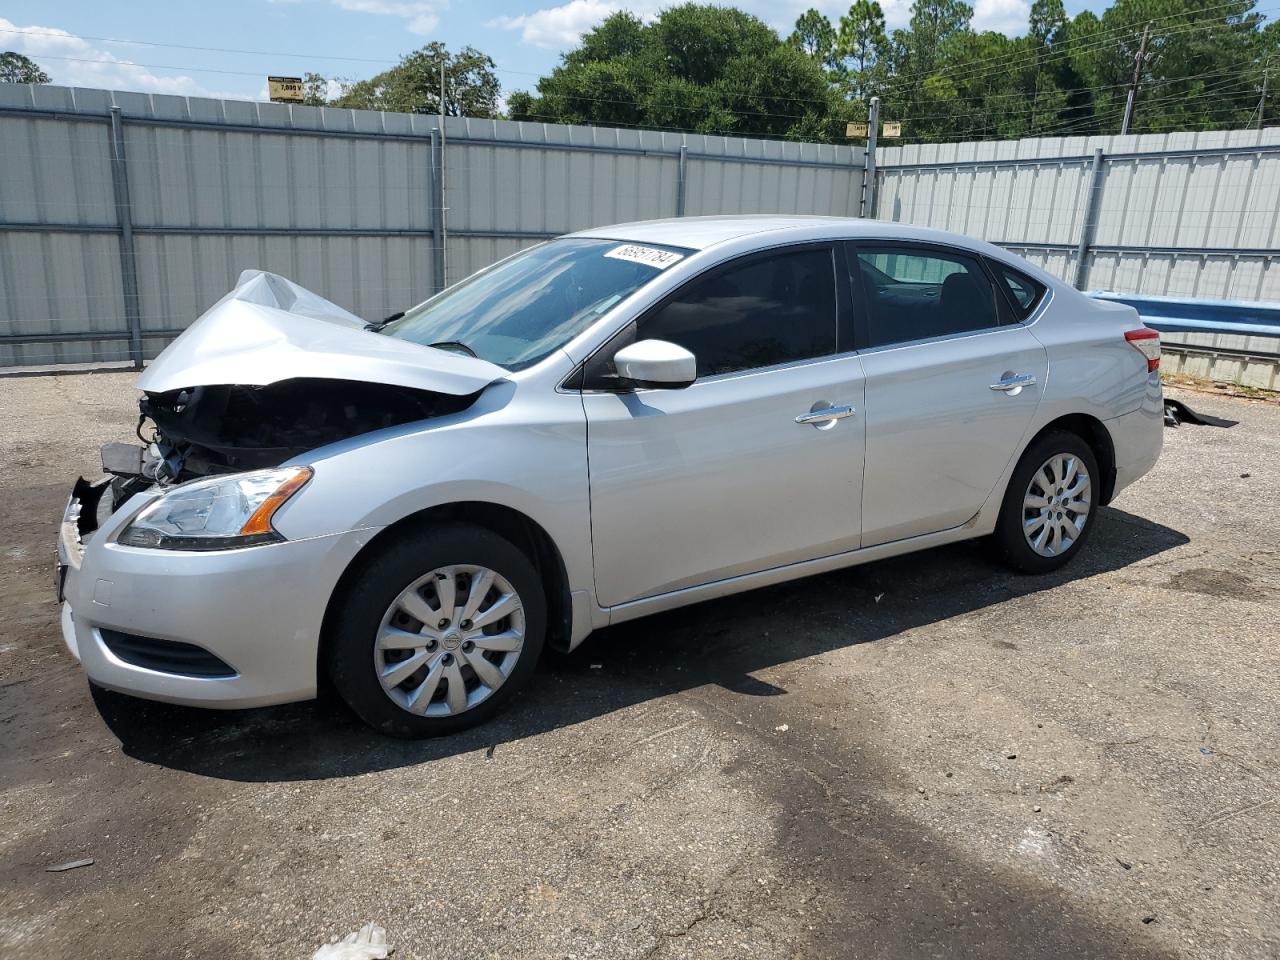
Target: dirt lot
925,757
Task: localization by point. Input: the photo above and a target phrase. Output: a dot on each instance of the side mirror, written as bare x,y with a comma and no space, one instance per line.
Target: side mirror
656,363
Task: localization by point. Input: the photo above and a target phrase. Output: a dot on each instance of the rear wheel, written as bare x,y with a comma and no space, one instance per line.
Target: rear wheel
438,632
1048,509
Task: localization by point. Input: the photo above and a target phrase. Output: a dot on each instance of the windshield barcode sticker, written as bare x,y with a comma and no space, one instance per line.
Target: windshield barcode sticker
649,256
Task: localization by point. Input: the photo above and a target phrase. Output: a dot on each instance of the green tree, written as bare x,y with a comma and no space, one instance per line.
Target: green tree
1047,21
1202,70
933,24
15,68
917,61
815,37
1269,61
413,85
523,105
315,90
698,42
717,69
618,36
696,67
861,46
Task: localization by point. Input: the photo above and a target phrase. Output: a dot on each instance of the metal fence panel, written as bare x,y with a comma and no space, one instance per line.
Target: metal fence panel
345,202
179,276
38,302
179,195
1182,214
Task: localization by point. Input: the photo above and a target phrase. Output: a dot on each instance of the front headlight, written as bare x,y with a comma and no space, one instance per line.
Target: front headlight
218,513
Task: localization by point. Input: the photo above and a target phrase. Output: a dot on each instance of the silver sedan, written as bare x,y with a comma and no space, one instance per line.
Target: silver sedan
613,423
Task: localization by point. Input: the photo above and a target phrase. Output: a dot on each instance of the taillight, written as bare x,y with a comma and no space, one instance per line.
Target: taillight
1147,342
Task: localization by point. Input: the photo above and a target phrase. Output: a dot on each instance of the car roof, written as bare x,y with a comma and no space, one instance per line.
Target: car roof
703,233
700,233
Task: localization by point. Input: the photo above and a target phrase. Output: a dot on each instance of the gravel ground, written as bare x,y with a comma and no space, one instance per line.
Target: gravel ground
924,757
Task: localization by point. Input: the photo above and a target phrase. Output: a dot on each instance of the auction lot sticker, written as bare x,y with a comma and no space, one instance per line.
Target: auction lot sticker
650,256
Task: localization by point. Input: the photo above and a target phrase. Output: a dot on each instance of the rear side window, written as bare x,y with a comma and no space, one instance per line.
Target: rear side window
757,313
1024,293
914,293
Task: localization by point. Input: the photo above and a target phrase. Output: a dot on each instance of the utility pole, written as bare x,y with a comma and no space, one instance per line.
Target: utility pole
1262,100
1137,76
869,160
444,189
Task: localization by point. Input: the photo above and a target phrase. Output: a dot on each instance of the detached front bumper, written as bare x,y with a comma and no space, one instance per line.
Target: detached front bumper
233,628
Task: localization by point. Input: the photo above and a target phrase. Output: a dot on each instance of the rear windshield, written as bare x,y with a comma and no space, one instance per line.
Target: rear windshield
520,310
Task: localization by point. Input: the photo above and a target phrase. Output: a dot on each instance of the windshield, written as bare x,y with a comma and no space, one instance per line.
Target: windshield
522,309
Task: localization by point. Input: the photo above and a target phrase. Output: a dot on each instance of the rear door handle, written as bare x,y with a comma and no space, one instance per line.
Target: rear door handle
827,414
1013,385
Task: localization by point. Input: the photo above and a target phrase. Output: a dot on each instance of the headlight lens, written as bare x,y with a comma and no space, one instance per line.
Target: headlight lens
218,513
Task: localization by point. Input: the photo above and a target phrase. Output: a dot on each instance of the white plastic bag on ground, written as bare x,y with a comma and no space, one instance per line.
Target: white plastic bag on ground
367,943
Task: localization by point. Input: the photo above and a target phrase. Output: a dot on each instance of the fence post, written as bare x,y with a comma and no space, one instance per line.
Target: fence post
437,211
869,161
681,175
1090,220
124,218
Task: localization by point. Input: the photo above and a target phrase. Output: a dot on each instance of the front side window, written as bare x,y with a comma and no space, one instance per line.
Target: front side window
520,310
756,313
917,293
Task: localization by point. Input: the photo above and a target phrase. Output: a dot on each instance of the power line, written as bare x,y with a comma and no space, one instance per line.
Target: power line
997,65
1102,38
994,66
746,112
640,103
56,35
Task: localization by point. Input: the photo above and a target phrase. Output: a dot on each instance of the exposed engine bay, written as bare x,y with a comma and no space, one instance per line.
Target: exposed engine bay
269,372
200,431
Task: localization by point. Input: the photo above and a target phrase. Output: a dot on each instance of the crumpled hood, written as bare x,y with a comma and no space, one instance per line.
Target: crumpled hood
269,329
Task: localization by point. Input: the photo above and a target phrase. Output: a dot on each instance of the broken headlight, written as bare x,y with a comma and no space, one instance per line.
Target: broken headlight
218,513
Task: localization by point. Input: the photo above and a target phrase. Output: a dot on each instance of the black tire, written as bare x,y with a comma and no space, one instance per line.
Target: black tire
350,650
1010,544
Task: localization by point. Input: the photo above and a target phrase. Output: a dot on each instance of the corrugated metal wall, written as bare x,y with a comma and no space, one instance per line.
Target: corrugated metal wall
341,201
345,202
1179,214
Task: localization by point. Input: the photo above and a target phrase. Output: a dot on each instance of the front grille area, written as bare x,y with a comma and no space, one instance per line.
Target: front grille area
165,656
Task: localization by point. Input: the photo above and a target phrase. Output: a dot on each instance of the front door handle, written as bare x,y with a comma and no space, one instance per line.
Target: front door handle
827,415
1012,384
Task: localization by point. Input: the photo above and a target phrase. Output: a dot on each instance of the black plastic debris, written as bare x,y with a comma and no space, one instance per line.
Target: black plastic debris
1176,412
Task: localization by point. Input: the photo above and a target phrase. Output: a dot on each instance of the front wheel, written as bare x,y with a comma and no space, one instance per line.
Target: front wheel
438,631
1048,509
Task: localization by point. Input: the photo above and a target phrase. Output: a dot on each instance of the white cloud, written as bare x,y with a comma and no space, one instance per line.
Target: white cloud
782,16
558,27
73,62
420,18
561,27
1004,16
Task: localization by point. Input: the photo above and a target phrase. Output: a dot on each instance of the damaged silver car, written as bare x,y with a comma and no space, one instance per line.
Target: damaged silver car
613,423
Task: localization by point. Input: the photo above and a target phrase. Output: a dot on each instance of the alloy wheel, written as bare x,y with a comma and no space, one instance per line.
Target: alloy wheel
1056,505
449,640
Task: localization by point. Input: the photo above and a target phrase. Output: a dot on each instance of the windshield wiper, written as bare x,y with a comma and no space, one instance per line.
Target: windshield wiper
454,345
376,327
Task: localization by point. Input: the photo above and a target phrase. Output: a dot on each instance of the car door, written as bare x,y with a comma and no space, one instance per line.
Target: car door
732,474
952,382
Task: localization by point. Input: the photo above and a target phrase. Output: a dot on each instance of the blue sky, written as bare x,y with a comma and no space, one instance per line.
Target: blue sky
75,40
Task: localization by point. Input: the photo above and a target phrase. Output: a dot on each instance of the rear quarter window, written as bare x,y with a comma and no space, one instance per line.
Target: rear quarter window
1024,293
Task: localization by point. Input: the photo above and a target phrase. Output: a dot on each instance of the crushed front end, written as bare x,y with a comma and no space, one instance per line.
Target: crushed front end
230,616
